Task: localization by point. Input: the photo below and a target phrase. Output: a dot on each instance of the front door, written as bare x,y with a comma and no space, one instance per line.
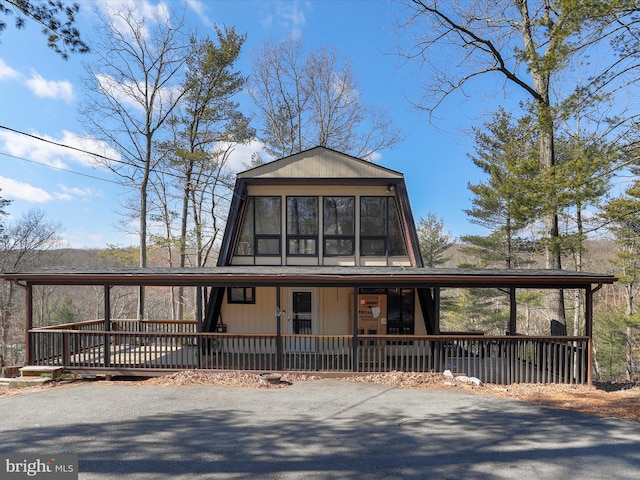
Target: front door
301,313
302,319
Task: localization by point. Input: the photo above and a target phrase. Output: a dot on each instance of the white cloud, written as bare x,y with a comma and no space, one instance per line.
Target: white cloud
29,148
6,71
23,191
197,6
240,159
291,13
71,193
49,88
141,10
87,144
128,94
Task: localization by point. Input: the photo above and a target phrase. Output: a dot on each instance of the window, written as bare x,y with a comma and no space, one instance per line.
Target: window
260,229
302,226
241,295
400,309
338,225
380,227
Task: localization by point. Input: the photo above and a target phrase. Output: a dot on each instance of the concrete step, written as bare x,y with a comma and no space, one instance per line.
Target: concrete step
28,381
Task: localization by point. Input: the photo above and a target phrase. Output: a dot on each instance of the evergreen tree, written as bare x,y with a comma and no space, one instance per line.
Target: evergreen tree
61,32
66,312
623,215
433,240
503,204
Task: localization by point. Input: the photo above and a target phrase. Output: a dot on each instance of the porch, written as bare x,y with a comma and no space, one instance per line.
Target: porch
132,347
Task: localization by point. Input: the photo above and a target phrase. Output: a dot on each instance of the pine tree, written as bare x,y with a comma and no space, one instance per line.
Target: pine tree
433,240
503,204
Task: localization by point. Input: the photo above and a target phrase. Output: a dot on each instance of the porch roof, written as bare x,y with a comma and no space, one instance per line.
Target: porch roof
313,276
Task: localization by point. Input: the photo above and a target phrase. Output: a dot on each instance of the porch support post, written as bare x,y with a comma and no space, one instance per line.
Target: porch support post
436,309
28,353
199,325
588,326
354,347
107,326
279,346
513,310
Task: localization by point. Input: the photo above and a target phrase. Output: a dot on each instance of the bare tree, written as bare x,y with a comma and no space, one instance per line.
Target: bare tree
529,45
133,87
305,100
21,246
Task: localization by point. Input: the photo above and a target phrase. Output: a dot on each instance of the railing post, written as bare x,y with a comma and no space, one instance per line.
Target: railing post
66,355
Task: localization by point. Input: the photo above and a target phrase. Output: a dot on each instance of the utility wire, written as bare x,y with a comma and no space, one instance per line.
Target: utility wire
59,144
62,145
59,168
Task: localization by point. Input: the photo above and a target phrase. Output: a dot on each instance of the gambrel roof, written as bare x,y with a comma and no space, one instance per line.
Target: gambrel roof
320,162
319,166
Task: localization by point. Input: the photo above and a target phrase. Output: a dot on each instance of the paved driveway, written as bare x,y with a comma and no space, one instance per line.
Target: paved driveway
325,429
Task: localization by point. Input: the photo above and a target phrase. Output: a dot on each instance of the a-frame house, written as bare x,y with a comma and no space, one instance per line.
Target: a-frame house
319,270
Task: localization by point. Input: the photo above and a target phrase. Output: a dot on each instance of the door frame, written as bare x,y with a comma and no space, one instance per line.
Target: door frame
314,308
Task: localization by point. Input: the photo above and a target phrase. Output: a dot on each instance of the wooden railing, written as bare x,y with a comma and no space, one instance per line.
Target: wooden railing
154,345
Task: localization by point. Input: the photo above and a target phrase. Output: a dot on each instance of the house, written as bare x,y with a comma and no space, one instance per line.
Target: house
319,270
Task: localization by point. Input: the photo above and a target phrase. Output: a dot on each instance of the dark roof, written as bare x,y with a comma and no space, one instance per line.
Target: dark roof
251,275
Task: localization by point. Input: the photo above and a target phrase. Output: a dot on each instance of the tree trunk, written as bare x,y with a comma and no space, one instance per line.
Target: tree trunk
143,220
541,76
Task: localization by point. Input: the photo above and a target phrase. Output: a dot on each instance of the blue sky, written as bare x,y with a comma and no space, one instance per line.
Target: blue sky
39,95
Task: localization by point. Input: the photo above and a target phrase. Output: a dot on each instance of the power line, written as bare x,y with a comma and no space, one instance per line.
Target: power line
60,144
59,168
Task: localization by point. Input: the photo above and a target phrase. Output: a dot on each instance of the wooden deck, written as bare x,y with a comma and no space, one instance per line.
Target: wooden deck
148,348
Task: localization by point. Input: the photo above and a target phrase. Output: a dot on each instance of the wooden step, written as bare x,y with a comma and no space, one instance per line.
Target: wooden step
41,371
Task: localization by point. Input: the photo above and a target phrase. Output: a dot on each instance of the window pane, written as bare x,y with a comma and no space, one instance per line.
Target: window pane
268,246
339,217
373,246
267,215
373,215
338,246
236,294
245,239
302,215
397,244
302,246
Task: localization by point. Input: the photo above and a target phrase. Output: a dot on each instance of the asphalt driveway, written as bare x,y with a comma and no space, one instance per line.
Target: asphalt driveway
326,429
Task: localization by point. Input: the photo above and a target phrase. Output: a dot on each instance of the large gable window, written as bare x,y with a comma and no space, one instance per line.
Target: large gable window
260,230
380,227
338,225
302,226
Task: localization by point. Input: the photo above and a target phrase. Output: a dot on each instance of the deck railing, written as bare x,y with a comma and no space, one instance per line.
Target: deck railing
131,346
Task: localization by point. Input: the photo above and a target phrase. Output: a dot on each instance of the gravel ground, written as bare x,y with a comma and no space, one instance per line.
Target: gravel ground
605,400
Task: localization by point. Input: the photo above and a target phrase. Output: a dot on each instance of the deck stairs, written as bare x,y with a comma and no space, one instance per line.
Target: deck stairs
33,375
